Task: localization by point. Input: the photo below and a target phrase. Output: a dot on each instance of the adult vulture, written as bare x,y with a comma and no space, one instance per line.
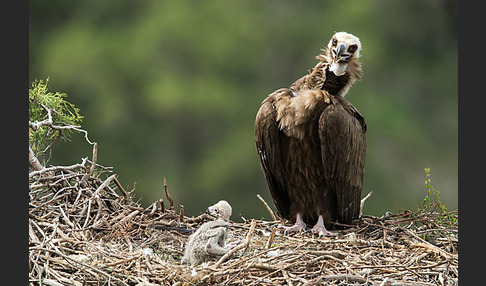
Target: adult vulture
312,141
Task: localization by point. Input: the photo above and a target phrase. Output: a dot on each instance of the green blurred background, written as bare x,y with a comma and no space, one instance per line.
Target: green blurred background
171,89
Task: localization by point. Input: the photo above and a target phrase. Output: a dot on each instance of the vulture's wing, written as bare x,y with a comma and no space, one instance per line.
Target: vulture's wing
268,145
343,147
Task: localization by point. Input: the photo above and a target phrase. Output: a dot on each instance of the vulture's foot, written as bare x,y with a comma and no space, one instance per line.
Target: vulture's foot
299,225
321,229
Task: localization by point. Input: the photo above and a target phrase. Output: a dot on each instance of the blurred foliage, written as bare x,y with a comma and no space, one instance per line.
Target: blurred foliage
171,88
62,112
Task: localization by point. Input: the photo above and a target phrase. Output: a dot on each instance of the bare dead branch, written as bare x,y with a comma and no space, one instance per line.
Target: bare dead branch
34,162
166,191
59,168
266,206
181,213
271,238
93,165
363,200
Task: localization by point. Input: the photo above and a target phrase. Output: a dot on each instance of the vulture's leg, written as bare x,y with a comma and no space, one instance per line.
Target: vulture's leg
297,227
321,229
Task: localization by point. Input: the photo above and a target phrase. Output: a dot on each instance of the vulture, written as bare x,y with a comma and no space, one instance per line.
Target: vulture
312,141
208,241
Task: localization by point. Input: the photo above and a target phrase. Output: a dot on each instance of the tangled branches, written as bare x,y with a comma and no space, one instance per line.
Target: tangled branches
85,229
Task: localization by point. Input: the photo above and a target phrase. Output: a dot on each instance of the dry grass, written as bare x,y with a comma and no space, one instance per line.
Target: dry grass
85,229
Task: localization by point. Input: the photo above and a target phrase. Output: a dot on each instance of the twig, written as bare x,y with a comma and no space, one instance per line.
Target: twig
171,202
87,214
162,207
266,205
287,278
93,165
48,122
50,282
280,269
271,238
334,253
99,202
433,248
264,266
252,229
245,244
123,261
104,184
363,200
341,277
181,214
153,208
128,217
85,134
120,187
383,283
428,245
59,168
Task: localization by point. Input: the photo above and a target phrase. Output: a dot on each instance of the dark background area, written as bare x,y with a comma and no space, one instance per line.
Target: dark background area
171,89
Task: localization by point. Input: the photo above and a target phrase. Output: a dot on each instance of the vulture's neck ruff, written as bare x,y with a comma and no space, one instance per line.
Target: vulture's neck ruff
337,85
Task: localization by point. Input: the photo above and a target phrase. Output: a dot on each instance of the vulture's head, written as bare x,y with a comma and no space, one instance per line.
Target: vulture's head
342,49
221,210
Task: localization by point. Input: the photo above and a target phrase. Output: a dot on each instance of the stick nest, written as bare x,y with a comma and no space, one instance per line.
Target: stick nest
85,229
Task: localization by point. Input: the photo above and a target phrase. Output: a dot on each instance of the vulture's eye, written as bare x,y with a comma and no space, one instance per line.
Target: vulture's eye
352,48
334,42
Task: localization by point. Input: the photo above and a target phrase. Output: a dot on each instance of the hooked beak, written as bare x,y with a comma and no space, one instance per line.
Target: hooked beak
339,53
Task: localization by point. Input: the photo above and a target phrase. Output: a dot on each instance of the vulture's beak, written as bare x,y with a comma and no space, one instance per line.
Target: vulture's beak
339,53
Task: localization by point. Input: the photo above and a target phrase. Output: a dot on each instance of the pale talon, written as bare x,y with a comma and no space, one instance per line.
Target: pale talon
320,228
299,225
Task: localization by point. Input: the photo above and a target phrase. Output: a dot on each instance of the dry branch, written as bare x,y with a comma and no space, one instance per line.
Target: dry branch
166,191
34,162
267,207
271,238
93,165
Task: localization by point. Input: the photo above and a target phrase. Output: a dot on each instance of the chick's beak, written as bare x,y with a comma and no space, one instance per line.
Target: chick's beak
209,211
